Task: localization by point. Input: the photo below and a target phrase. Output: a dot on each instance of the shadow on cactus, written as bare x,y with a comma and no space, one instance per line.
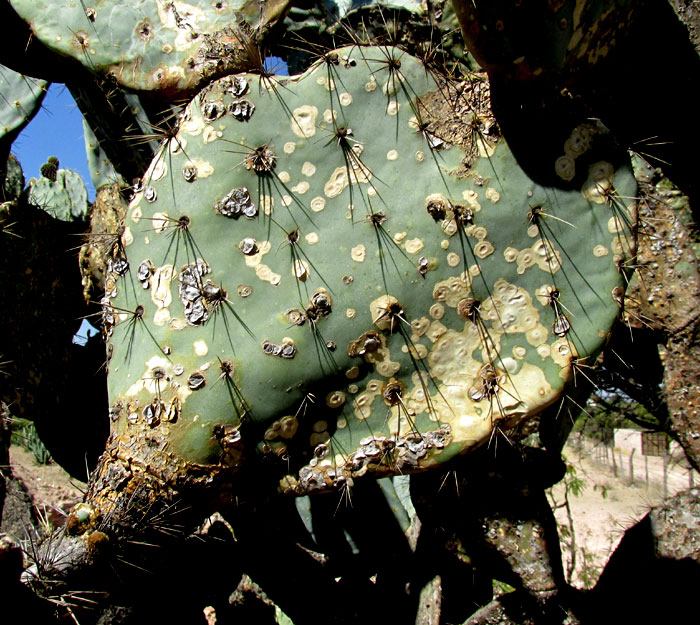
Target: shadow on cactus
356,280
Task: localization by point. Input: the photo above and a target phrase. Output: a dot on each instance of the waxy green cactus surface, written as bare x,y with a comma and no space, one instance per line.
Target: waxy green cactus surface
167,48
60,192
347,272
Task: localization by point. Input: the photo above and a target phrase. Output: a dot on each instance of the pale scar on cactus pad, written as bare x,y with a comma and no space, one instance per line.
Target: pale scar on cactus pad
324,274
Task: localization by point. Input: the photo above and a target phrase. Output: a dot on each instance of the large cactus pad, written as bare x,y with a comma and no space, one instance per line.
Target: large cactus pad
166,48
313,276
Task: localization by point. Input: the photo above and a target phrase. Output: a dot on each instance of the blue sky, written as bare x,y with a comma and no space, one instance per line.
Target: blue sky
57,130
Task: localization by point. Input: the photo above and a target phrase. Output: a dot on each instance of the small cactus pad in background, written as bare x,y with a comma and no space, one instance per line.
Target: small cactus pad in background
312,275
167,48
60,192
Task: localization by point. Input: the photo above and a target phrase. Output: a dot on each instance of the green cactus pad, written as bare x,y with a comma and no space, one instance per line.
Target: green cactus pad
168,48
64,196
20,99
312,276
102,172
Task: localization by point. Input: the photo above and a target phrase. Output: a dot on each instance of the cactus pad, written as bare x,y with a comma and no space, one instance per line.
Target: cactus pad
20,99
167,48
60,192
347,272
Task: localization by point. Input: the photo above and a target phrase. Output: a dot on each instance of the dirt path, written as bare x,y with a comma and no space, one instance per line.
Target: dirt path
608,505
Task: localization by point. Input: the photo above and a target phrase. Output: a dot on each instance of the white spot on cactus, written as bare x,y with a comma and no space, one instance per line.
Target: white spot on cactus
580,140
483,249
420,156
177,144
200,348
289,147
326,82
393,107
561,354
304,121
478,232
472,197
312,238
267,275
204,168
286,200
565,167
451,291
318,204
510,254
301,188
329,116
160,286
453,259
156,169
160,222
177,324
267,203
519,352
445,244
337,182
161,317
300,270
449,227
358,253
492,195
308,169
284,177
350,313
601,250
436,330
413,246
400,236
335,399
211,134
387,368
371,85
192,126
537,336
392,155
127,236
345,99
136,213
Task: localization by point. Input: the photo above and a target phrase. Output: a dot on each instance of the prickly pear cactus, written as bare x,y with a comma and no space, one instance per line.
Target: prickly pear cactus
529,40
167,48
347,273
20,99
60,192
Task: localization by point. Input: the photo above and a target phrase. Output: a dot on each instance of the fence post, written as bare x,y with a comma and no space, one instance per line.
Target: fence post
632,466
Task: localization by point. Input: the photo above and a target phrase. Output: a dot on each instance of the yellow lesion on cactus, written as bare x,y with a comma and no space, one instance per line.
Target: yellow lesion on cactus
303,122
413,246
358,253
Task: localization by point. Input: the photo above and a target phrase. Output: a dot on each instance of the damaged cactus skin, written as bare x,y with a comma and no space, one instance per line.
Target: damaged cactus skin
169,49
347,273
